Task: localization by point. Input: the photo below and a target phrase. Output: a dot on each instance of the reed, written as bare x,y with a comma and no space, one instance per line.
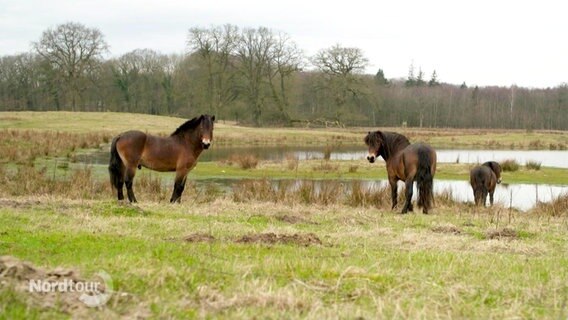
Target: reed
510,165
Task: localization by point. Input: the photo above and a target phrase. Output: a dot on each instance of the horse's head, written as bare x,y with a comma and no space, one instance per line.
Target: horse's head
206,130
496,168
374,142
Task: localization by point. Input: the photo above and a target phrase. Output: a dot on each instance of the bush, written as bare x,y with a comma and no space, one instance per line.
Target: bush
533,165
510,165
245,161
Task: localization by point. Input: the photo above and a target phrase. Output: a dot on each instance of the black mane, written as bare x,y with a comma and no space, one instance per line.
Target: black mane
188,125
391,142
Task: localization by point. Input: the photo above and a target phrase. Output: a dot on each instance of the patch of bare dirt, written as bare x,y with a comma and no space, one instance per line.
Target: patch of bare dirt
293,219
505,233
451,229
305,239
10,203
199,237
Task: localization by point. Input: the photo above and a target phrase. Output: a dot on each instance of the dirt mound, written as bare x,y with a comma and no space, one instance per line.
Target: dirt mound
46,288
293,219
447,229
505,233
9,203
306,239
199,237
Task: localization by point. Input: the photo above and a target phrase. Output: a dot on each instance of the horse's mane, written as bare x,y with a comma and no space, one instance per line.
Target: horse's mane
494,166
391,141
188,125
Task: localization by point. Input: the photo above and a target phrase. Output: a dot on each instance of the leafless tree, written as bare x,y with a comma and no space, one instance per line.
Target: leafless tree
73,51
216,47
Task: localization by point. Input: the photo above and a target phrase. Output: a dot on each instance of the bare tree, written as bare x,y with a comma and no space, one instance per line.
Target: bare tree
286,59
73,51
254,57
216,46
341,65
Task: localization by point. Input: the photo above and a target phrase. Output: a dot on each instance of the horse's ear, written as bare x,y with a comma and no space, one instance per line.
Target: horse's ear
213,118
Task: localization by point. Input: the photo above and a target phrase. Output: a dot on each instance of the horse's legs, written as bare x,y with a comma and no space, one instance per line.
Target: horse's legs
179,186
408,192
394,192
130,172
491,196
119,188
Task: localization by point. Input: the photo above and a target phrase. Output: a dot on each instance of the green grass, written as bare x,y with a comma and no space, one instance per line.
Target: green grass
372,263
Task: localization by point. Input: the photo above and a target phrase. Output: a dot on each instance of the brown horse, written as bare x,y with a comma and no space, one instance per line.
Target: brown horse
483,180
178,152
406,162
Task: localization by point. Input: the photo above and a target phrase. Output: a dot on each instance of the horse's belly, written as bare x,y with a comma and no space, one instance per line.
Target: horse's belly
157,165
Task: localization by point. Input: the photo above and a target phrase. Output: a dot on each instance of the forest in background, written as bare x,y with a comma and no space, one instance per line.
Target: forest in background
259,77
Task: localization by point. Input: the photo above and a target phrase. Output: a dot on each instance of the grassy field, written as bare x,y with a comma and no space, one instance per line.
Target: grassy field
258,252
109,123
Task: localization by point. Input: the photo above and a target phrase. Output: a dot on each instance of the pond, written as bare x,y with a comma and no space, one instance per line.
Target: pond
519,196
547,158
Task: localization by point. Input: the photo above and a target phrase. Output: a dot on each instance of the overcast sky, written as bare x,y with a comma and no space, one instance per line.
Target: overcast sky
481,42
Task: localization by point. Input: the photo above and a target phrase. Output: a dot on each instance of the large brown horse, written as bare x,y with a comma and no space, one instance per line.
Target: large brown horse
178,152
406,162
483,180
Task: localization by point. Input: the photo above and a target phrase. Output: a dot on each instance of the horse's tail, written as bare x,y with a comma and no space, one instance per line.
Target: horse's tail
424,179
115,167
479,185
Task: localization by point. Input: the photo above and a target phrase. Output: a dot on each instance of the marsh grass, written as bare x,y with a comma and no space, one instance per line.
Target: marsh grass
292,161
509,165
325,192
533,165
244,161
557,207
24,146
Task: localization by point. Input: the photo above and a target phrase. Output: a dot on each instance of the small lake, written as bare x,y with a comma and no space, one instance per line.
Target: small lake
548,158
519,196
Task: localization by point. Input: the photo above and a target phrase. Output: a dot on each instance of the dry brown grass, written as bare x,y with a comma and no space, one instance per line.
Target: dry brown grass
244,161
557,207
24,146
292,161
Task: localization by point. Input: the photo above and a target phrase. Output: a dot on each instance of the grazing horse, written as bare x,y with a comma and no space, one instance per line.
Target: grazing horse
406,162
483,180
178,152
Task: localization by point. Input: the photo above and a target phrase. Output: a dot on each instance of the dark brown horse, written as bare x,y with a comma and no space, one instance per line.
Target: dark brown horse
178,152
406,162
483,180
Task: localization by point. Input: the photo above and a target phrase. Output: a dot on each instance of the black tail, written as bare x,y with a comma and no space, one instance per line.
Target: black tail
424,179
115,167
480,190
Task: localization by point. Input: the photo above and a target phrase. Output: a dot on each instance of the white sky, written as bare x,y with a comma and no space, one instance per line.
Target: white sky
481,42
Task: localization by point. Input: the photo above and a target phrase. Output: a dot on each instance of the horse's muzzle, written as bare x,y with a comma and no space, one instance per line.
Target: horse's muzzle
206,143
371,159
498,181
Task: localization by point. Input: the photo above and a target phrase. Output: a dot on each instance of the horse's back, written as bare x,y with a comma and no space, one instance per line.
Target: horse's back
130,145
423,153
482,176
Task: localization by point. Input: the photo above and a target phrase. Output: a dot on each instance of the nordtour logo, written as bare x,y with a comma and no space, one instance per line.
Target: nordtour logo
94,293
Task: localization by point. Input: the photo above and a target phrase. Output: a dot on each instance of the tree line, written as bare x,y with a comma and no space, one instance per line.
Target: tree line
256,76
